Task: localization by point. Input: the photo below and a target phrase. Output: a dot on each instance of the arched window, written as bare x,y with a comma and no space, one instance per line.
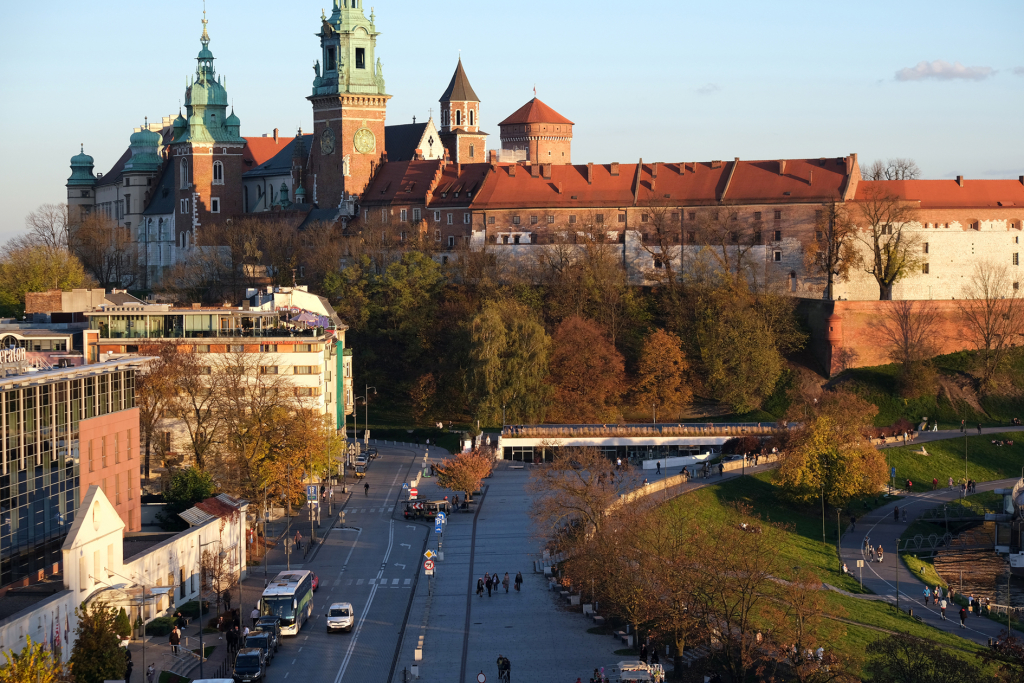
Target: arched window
218,173
471,117
184,174
458,117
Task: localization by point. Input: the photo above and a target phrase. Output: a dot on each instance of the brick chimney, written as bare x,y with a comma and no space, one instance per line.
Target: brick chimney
559,188
682,168
535,170
590,174
275,135
782,167
654,170
615,168
810,177
418,155
512,171
545,170
492,156
1021,179
960,180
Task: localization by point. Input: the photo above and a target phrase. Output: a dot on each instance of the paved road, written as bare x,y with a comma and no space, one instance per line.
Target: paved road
880,577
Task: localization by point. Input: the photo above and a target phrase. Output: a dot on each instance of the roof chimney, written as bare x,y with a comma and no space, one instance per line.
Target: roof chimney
545,170
275,135
682,168
418,155
615,168
493,156
1021,179
960,180
810,177
782,167
654,170
590,174
535,170
559,188
512,171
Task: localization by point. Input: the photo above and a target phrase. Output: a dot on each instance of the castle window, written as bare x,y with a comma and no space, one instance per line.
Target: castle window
184,174
599,218
924,269
1016,259
472,148
458,118
490,220
778,236
778,215
572,219
926,247
127,203
471,119
533,220
622,218
551,219
437,216
416,215
515,220
405,215
691,237
437,235
644,218
184,206
451,240
215,205
777,256
403,235
693,215
218,173
332,59
450,219
467,218
360,58
675,216
757,215
127,182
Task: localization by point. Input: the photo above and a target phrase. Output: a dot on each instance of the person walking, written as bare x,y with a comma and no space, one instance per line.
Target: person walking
935,483
880,552
488,583
963,617
127,666
853,522
480,587
721,469
150,674
643,653
979,428
298,541
658,465
255,614
942,608
903,514
896,514
519,580
951,483
366,488
505,582
927,595
174,640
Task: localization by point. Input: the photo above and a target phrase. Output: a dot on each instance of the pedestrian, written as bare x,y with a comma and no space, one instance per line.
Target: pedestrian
505,582
979,428
487,582
127,666
963,617
935,483
643,653
963,488
180,621
903,514
927,595
174,639
951,483
298,541
896,514
658,465
255,614
880,552
150,673
519,580
910,486
232,639
721,469
245,634
366,488
853,522
871,553
654,656
479,586
942,608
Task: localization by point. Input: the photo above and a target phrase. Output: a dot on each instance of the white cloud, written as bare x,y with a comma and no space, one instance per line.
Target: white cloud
708,89
1019,70
944,71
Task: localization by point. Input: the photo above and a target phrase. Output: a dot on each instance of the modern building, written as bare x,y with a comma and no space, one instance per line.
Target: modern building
64,430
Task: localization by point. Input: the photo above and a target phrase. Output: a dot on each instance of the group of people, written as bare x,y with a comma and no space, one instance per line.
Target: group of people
491,583
871,552
504,667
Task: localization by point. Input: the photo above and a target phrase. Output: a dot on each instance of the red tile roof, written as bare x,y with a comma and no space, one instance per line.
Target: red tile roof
400,182
938,194
535,111
460,184
803,180
260,150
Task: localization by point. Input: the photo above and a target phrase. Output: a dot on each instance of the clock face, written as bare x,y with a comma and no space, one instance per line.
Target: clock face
327,141
364,141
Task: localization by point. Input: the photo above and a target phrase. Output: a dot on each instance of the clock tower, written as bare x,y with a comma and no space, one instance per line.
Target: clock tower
349,106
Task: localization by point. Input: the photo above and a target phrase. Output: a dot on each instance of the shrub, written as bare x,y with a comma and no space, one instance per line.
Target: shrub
161,626
191,609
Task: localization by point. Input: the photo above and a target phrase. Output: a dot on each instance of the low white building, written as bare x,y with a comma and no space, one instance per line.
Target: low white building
147,574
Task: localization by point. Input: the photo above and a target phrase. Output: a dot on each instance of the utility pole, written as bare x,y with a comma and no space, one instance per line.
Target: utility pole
897,575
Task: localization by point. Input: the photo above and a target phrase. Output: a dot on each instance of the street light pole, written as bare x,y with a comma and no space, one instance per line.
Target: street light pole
366,413
897,575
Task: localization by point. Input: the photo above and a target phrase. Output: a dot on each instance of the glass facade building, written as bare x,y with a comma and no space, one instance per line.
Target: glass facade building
41,416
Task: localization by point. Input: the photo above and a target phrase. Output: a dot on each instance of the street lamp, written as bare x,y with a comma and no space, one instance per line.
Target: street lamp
897,575
366,404
221,555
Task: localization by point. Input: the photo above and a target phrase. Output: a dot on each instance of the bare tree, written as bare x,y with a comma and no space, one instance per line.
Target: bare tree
154,393
908,331
888,236
892,169
833,252
993,315
47,226
107,251
196,404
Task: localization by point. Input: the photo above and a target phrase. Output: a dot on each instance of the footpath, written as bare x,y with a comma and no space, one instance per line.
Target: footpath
880,528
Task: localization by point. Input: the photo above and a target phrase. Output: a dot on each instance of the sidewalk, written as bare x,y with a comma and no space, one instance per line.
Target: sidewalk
878,526
944,434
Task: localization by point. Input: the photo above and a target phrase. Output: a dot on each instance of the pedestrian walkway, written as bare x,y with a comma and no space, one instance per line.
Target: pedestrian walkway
945,434
880,529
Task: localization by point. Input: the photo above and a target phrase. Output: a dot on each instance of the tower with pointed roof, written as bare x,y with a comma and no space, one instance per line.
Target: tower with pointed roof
205,151
539,131
349,106
460,120
81,187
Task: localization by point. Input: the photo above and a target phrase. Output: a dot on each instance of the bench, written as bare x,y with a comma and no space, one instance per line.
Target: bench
599,620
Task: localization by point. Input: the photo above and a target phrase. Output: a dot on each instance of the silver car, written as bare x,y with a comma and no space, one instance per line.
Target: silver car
340,617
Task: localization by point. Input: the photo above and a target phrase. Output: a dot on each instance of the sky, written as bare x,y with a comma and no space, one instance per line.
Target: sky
663,80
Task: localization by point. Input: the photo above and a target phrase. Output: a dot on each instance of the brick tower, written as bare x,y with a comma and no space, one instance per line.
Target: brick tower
460,121
349,106
540,131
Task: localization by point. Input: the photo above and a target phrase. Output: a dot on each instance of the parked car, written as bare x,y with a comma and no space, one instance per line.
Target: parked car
250,665
372,452
316,582
271,625
340,617
263,641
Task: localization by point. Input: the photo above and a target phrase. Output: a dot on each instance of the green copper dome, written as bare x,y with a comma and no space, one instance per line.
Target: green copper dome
81,169
145,148
206,103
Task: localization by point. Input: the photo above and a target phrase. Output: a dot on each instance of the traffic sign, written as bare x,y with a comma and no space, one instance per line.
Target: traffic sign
437,526
441,517
311,492
405,486
428,565
892,472
413,493
430,554
480,678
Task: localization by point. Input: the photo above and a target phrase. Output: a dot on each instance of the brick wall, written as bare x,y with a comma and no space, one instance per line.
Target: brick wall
43,302
118,473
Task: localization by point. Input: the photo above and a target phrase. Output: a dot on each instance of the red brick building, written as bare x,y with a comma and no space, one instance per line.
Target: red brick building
460,120
540,131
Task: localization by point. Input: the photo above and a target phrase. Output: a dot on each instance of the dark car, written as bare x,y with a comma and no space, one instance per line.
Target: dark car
272,625
262,640
250,665
372,452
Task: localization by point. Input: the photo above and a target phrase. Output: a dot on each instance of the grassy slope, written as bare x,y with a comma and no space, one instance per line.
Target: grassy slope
804,548
985,461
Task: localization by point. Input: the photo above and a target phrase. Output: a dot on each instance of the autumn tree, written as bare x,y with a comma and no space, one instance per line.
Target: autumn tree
993,315
887,233
196,403
901,658
34,664
107,251
827,457
661,375
465,472
587,373
96,654
897,168
833,252
36,268
509,353
154,393
908,331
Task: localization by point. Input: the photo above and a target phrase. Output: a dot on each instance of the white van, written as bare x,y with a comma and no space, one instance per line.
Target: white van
340,617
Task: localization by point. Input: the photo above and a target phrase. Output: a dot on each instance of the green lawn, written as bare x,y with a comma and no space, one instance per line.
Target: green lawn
985,461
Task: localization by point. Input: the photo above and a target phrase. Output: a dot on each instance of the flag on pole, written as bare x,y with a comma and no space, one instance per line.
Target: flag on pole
47,641
67,627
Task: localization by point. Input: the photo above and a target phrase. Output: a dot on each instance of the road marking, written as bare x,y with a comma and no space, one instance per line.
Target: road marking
293,662
300,649
366,611
287,672
394,582
360,582
373,582
408,581
349,582
337,582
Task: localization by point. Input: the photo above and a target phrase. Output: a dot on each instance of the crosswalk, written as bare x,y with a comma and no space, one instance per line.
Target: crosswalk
393,583
368,510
